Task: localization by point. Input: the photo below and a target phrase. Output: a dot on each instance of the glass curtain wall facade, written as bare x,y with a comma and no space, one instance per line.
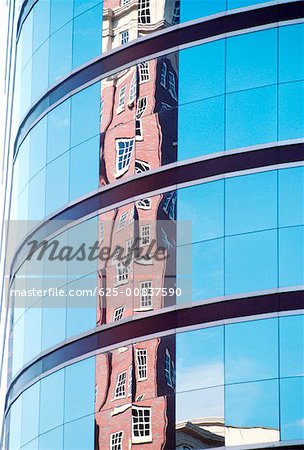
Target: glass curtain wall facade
177,124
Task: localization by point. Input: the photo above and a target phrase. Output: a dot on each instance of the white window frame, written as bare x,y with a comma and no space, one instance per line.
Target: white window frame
122,220
140,426
138,130
131,217
101,109
125,157
144,72
146,299
118,313
130,379
142,363
122,273
145,234
172,85
144,203
124,37
121,99
144,12
145,166
163,75
116,440
133,89
100,232
120,388
142,103
125,2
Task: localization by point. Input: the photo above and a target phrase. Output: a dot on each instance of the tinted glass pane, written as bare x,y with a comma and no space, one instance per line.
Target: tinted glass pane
26,39
251,117
79,434
51,401
292,408
251,262
61,13
251,351
85,105
251,60
291,193
36,208
231,4
199,359
291,346
60,62
291,62
251,203
291,110
18,345
57,183
40,71
53,324
201,128
200,404
38,147
30,413
84,168
15,424
41,23
32,336
23,162
82,5
79,389
51,440
58,130
203,205
87,36
291,256
26,81
193,9
201,72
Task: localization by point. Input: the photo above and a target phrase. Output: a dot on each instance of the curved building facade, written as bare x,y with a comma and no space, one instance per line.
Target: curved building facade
157,150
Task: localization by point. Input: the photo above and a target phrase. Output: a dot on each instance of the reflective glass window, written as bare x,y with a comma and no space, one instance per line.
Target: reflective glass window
201,128
41,23
82,5
251,262
85,105
261,408
57,183
38,136
52,439
15,424
87,35
201,71
18,345
79,434
40,71
23,204
84,168
199,359
291,110
291,256
251,351
79,389
251,117
61,13
291,346
32,335
292,408
30,413
231,4
60,61
291,194
23,163
192,9
53,323
251,203
291,63
26,84
200,404
203,205
33,445
251,60
51,401
58,130
26,40
36,199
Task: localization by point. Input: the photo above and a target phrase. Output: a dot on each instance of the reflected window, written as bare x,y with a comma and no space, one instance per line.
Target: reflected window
144,15
124,149
141,360
138,130
145,234
169,369
176,13
141,107
122,273
141,166
146,294
120,389
141,425
163,75
172,85
116,438
124,37
130,379
118,313
144,204
121,99
144,72
133,89
122,220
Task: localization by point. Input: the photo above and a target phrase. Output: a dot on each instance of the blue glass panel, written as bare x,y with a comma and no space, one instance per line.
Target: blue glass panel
79,389
251,351
61,13
26,82
33,445
251,203
84,168
203,366
18,345
291,346
193,9
203,205
291,257
41,23
261,408
53,324
251,262
85,105
36,199
51,440
30,413
23,204
32,335
291,110
291,194
15,424
82,5
79,434
26,40
23,164
200,404
38,137
201,128
292,408
231,4
57,183
60,62
58,130
291,57
40,71
87,36
201,71
251,60
51,401
251,117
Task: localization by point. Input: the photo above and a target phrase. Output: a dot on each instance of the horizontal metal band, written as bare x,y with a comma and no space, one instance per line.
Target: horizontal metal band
147,47
171,176
141,328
